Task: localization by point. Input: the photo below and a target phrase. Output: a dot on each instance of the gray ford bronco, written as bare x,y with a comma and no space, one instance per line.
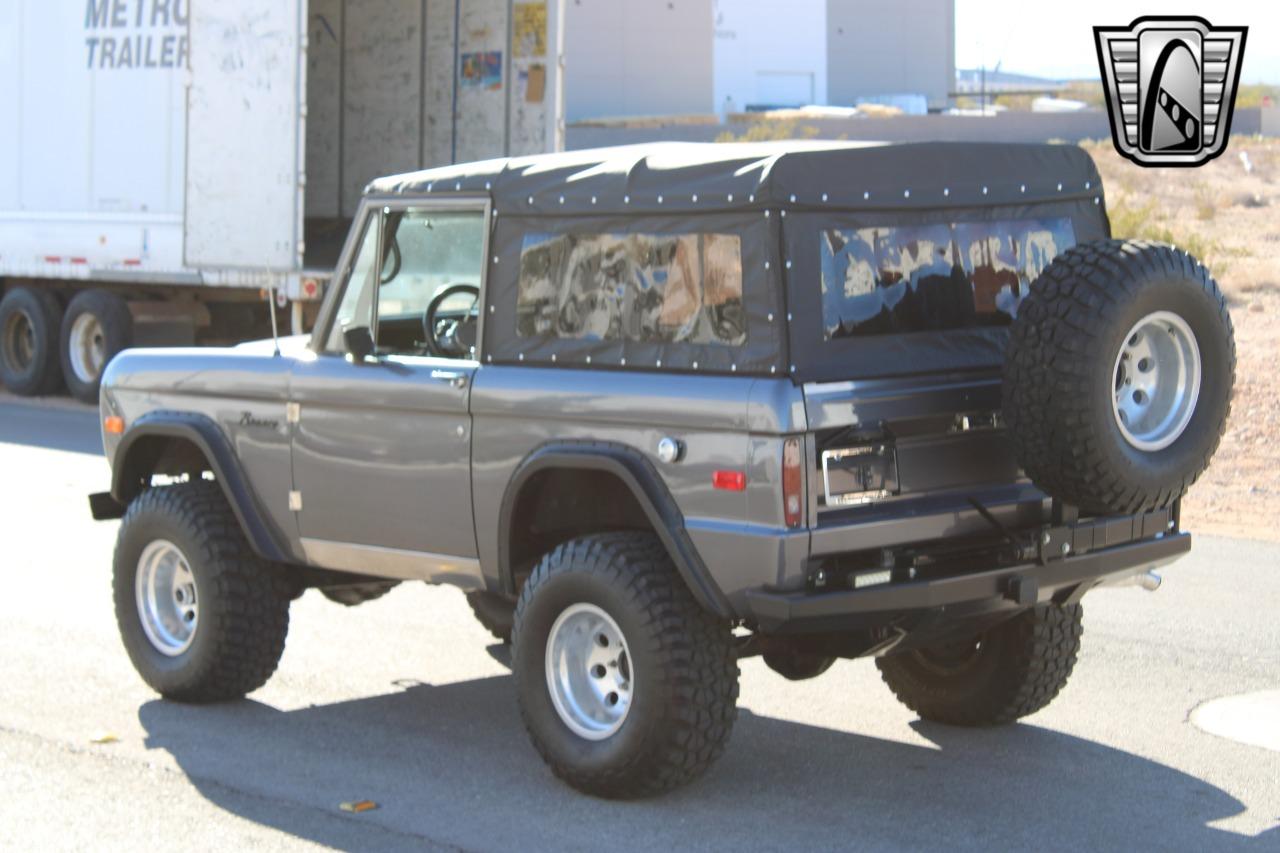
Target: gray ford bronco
659,408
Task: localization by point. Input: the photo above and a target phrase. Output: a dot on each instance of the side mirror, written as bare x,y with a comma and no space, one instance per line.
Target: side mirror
359,342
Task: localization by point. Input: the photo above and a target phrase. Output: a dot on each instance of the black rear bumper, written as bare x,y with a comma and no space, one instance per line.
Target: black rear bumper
1013,586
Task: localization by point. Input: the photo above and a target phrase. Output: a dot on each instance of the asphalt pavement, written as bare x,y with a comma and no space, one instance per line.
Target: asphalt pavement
405,701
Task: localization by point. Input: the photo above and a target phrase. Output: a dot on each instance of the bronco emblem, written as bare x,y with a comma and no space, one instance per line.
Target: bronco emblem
1170,85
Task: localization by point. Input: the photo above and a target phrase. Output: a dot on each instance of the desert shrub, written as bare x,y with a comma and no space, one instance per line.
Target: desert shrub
1142,222
770,130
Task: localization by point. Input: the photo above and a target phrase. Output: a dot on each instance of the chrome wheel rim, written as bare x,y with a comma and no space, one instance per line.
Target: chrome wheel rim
1157,381
87,348
589,672
19,341
168,602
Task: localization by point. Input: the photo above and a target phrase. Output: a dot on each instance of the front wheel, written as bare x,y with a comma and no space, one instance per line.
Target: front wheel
626,685
1007,672
202,617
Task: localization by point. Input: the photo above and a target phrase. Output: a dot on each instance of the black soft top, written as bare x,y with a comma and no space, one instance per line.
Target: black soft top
822,228
665,176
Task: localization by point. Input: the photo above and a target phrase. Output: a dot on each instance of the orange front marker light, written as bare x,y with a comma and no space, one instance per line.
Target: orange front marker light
731,481
113,425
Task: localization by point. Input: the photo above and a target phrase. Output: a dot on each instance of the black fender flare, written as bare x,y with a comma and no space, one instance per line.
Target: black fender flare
129,472
643,481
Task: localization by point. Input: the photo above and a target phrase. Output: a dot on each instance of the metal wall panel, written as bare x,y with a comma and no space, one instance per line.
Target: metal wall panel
11,55
891,47
763,57
535,64
481,115
381,84
641,57
438,78
325,27
243,204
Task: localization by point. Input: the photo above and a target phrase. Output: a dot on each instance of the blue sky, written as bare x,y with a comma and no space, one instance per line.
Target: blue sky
1055,38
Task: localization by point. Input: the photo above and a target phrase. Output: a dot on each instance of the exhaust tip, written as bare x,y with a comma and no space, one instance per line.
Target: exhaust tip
1150,581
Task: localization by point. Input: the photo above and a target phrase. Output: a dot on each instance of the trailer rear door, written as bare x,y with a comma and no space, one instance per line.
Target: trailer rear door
244,135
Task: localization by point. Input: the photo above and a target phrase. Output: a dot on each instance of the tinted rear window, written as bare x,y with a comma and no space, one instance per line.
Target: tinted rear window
659,288
910,278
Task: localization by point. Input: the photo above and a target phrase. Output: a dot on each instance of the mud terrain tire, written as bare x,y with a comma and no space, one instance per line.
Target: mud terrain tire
681,661
1007,672
1068,368
243,614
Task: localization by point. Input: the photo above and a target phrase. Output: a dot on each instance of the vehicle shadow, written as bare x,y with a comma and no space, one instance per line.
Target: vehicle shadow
451,764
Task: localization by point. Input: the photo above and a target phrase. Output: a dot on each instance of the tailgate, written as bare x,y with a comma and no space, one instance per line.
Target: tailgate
881,442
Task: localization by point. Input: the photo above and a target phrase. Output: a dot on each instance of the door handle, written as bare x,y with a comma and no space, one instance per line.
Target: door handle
454,378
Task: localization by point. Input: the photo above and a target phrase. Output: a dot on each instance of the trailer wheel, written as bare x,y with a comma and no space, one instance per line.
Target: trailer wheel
29,341
97,325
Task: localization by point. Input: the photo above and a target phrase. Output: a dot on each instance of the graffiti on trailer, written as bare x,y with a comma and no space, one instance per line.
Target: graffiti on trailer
662,288
122,34
910,278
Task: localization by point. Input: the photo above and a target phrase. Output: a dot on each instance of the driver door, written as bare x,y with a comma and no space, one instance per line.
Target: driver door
382,439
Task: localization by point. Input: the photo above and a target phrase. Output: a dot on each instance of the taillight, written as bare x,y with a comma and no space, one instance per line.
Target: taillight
792,478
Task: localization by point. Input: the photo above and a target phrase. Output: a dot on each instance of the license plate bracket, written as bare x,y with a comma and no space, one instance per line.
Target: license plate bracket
859,475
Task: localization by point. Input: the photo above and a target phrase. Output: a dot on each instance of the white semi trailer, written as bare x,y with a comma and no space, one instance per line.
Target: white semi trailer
164,165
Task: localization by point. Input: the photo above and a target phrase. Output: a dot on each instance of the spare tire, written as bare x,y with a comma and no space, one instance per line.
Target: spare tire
1118,376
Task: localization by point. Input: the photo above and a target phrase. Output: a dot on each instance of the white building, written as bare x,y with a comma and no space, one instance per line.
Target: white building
637,58
671,57
767,56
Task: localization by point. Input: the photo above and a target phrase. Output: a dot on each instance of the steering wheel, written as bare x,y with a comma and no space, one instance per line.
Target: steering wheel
454,334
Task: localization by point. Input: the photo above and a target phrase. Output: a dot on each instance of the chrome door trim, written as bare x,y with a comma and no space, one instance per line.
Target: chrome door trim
375,560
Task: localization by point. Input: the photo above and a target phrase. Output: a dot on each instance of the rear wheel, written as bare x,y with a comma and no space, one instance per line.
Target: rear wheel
626,685
1007,672
29,321
97,325
355,594
795,665
202,617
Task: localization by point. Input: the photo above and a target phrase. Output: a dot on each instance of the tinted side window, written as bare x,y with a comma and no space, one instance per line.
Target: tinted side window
427,250
423,251
910,278
657,288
